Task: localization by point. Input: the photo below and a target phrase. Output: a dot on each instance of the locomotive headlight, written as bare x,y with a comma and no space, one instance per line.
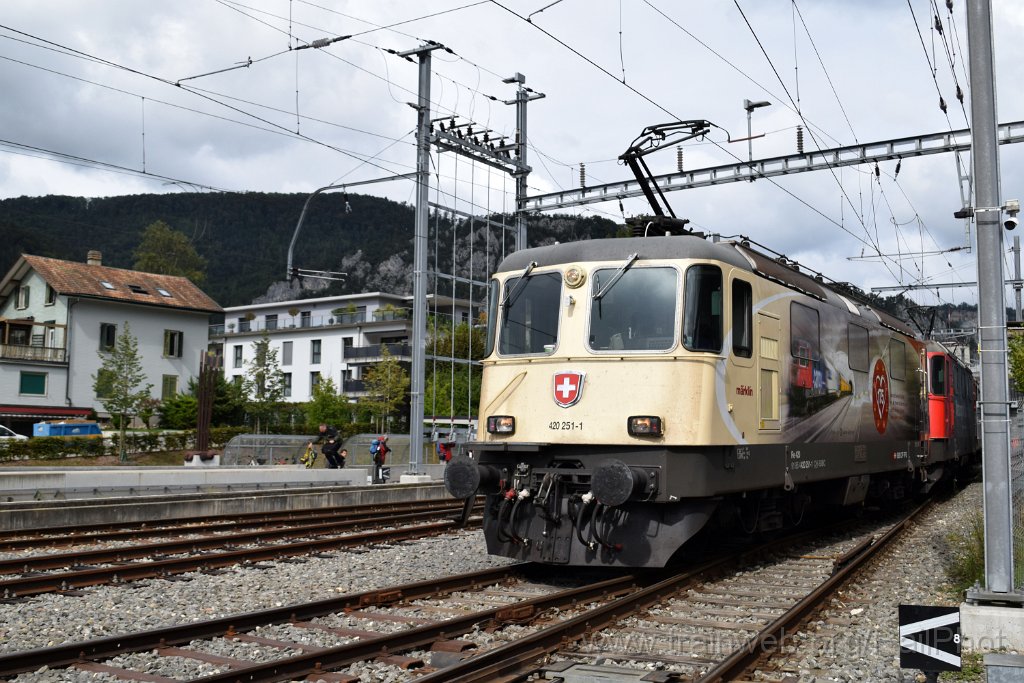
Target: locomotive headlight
501,424
574,277
644,425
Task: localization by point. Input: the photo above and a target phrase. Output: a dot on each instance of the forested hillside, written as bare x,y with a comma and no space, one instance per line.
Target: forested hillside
244,237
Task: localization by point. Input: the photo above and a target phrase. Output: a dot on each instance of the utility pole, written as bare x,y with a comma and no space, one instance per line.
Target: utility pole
995,404
523,95
419,283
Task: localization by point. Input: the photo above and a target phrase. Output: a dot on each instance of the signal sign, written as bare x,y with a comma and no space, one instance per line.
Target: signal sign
929,638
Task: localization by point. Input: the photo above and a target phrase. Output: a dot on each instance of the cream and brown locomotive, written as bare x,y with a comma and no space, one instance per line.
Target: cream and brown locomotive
638,390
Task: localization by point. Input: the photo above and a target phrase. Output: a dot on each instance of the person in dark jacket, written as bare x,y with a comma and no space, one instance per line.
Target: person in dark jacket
331,444
379,451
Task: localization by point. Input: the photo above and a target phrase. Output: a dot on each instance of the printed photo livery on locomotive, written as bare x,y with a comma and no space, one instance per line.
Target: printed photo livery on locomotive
638,390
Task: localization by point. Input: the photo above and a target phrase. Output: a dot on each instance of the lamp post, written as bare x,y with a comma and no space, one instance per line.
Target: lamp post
750,107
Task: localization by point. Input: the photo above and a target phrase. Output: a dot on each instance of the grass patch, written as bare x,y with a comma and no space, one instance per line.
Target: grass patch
972,669
968,546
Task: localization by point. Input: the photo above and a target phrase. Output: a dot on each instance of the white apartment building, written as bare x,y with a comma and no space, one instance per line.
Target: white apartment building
330,337
58,317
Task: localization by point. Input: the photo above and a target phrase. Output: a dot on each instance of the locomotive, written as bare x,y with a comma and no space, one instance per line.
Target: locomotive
639,390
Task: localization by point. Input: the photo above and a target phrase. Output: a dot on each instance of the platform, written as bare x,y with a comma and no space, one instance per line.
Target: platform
43,497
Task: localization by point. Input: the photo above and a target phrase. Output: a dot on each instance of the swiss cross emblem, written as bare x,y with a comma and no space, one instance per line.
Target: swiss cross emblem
568,388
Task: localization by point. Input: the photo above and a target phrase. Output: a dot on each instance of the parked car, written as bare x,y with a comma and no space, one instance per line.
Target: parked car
7,434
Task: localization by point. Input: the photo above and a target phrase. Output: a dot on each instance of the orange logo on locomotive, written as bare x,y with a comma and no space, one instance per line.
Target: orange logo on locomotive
880,396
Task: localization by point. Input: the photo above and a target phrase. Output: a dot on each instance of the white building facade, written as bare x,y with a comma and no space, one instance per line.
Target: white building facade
330,337
58,317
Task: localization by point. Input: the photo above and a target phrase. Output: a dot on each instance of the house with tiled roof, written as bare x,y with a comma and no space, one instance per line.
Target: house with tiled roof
58,317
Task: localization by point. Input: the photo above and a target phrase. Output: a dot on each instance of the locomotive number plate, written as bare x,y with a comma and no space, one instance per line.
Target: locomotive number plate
565,425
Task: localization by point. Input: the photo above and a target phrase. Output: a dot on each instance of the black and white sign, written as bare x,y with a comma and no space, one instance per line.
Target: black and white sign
930,638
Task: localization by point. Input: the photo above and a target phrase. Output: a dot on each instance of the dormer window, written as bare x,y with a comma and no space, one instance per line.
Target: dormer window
137,289
107,285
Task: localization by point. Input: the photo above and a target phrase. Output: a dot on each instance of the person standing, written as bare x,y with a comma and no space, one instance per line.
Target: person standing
328,436
379,451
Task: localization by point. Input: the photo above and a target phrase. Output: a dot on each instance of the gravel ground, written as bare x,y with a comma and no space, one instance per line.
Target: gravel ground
856,639
860,643
49,620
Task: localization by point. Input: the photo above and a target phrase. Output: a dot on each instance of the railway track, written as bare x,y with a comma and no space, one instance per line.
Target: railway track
61,572
81,534
497,624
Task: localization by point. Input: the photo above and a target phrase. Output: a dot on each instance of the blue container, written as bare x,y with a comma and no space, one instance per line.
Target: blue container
66,429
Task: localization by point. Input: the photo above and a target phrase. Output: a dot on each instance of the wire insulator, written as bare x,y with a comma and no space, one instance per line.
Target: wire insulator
878,172
679,158
583,174
959,94
938,24
799,139
898,164
942,104
949,5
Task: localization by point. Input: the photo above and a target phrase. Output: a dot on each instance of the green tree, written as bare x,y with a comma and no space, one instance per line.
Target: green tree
326,405
119,383
166,251
263,383
1016,360
453,389
387,387
182,410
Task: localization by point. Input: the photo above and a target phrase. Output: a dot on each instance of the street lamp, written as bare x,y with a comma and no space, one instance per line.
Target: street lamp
751,106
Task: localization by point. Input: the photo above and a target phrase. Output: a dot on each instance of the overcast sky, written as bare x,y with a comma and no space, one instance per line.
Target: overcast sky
114,97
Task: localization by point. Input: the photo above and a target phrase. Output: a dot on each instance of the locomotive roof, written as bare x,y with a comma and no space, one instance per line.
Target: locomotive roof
682,246
737,254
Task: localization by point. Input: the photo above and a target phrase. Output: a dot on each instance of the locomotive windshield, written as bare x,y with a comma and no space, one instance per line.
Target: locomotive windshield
639,312
529,317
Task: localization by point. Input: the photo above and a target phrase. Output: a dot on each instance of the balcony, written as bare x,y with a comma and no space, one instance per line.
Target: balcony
353,386
21,352
290,323
372,353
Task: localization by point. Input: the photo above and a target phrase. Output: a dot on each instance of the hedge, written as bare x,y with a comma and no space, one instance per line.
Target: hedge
56,448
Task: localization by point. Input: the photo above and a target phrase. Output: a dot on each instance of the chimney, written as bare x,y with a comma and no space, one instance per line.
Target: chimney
94,257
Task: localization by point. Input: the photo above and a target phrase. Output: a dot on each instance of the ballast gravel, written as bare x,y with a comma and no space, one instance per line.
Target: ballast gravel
48,620
853,640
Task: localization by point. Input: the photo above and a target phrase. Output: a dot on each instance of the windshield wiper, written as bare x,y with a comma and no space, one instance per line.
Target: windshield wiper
630,260
512,293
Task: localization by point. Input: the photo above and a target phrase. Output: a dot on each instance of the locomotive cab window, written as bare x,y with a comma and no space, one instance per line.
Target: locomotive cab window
742,319
493,292
702,310
635,312
529,316
937,374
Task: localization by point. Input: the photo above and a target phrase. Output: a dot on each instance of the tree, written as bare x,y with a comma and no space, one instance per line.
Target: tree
451,390
326,406
263,383
387,386
182,410
119,383
166,251
1016,361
